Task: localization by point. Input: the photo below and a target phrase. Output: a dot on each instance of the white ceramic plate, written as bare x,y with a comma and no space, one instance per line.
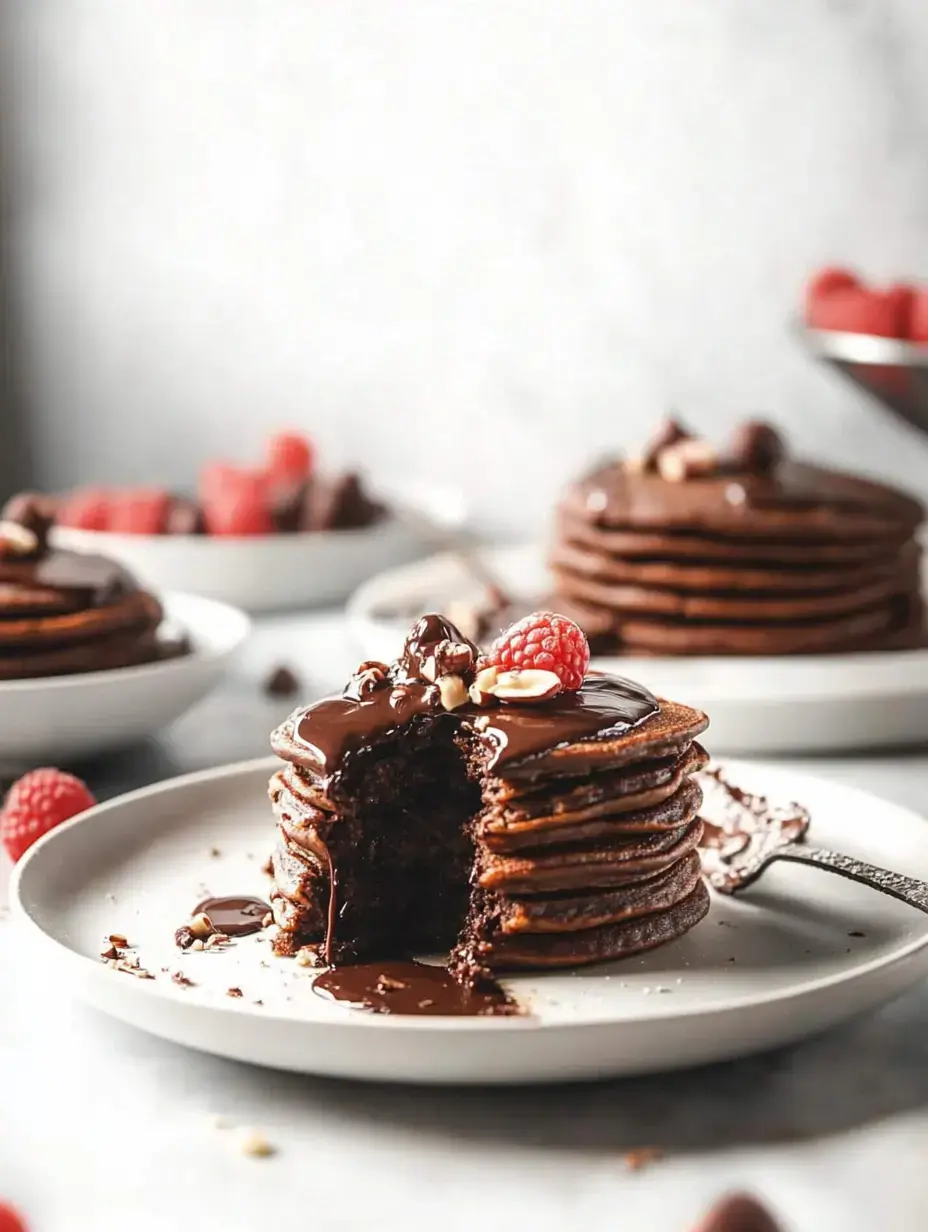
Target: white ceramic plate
757,705
56,719
275,572
768,969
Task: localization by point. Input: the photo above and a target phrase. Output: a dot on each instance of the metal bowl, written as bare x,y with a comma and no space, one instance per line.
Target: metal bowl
894,373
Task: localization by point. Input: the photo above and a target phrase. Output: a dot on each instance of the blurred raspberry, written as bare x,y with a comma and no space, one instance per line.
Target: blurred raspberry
290,457
239,504
138,511
37,803
84,509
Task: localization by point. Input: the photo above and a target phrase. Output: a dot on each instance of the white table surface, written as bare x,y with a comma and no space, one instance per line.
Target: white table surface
104,1129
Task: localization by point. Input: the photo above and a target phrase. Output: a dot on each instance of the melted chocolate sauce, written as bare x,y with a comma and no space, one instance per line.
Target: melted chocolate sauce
236,915
747,825
603,708
396,987
100,579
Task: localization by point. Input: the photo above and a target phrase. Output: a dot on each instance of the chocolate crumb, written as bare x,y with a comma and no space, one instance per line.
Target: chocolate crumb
181,980
642,1157
214,851
267,867
857,933
258,1002
184,938
119,939
256,1145
234,992
110,952
282,682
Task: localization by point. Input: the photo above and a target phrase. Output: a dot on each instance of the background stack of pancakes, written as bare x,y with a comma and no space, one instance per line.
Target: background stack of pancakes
589,852
64,612
686,550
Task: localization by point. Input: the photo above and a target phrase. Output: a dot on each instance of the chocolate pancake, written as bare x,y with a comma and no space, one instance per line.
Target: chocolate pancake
605,942
689,551
671,576
567,912
405,826
64,612
685,545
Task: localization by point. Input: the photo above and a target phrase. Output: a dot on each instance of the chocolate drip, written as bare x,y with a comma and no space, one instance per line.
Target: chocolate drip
396,987
236,916
332,913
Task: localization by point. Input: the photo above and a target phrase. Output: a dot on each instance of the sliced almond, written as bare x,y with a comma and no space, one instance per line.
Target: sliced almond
17,540
531,685
453,692
481,691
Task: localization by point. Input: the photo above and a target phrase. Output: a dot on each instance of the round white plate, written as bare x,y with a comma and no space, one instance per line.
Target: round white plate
270,573
757,705
784,961
56,719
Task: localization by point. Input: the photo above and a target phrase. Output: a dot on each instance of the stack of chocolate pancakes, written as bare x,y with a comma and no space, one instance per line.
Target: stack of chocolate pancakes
686,550
65,612
418,814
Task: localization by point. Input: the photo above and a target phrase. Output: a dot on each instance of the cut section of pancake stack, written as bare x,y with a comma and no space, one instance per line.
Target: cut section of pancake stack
689,551
520,835
66,612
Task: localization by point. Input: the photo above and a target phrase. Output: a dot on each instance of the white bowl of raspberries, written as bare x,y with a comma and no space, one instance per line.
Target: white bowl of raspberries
271,538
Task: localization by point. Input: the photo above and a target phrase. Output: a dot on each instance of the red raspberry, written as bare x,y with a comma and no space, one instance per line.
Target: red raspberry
84,509
216,478
138,511
855,310
918,317
35,804
10,1221
823,285
239,505
290,456
546,642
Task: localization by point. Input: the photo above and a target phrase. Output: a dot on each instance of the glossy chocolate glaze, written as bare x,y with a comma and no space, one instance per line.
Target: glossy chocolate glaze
397,987
101,580
234,915
603,708
822,501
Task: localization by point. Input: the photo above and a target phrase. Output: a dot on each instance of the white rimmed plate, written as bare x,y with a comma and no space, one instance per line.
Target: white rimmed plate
786,960
756,704
270,573
59,718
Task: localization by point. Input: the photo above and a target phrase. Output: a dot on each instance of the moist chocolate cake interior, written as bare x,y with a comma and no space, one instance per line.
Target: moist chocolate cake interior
402,849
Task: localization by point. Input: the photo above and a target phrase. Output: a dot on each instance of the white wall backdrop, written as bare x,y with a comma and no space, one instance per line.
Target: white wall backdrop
480,239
